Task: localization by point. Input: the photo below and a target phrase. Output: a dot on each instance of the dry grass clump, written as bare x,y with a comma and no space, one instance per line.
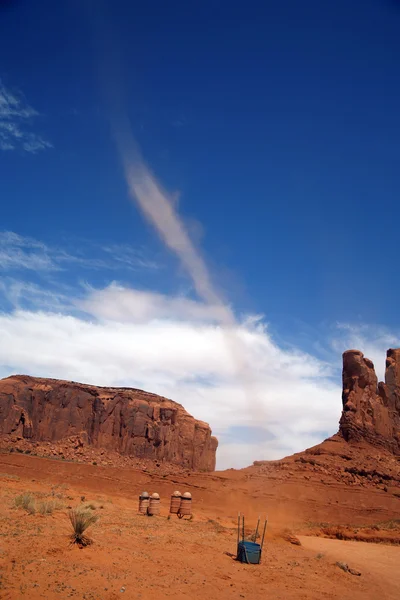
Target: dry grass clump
26,501
48,507
29,502
81,519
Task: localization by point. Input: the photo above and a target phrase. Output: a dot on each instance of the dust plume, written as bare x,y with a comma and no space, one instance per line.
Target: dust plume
158,208
157,205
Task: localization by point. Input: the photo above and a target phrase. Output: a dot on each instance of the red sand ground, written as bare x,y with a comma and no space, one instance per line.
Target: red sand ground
140,557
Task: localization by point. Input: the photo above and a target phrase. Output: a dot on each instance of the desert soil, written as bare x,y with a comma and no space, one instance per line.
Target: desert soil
134,556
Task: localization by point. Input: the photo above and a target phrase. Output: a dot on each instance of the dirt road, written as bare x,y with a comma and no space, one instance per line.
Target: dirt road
379,564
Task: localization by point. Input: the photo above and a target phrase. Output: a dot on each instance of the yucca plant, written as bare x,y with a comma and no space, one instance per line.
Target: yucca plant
81,519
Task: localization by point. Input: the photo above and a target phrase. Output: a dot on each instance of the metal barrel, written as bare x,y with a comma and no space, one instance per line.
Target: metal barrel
144,502
175,503
185,508
154,505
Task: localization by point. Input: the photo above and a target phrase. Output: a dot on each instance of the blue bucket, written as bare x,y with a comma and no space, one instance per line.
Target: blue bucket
249,552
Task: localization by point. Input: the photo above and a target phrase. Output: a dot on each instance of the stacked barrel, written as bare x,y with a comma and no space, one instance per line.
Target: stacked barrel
144,501
154,505
185,508
175,503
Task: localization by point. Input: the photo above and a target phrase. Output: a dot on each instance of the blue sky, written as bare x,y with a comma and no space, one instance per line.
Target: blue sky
275,129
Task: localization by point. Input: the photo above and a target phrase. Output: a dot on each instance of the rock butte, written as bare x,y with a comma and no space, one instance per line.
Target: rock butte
371,410
129,421
138,424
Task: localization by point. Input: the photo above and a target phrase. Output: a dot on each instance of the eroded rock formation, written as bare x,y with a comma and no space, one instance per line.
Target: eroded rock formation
371,410
129,421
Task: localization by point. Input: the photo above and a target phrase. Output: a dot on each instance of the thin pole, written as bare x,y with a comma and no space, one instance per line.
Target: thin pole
265,527
238,529
256,533
243,529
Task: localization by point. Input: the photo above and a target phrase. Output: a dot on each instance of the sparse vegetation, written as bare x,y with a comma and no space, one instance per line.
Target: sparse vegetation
48,507
26,501
29,502
81,519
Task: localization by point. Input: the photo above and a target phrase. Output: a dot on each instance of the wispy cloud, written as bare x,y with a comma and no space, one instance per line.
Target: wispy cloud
16,117
17,252
16,294
130,257
26,253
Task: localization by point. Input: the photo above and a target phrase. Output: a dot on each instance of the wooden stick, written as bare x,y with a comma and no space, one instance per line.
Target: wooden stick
243,529
265,527
256,533
238,529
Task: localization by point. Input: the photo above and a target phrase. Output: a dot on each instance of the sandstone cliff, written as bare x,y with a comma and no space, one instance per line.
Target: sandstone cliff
371,410
365,453
129,421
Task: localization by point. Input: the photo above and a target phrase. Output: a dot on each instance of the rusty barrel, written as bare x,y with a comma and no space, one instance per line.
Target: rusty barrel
185,508
154,505
144,501
175,503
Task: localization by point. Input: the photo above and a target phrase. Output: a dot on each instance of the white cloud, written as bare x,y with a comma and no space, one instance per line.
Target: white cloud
15,118
184,357
373,341
26,253
120,304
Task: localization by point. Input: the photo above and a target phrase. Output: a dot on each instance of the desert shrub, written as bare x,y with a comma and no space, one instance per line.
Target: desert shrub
48,507
26,501
30,502
81,519
45,508
57,491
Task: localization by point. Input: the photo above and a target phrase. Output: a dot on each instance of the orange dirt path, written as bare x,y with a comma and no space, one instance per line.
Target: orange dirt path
378,564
